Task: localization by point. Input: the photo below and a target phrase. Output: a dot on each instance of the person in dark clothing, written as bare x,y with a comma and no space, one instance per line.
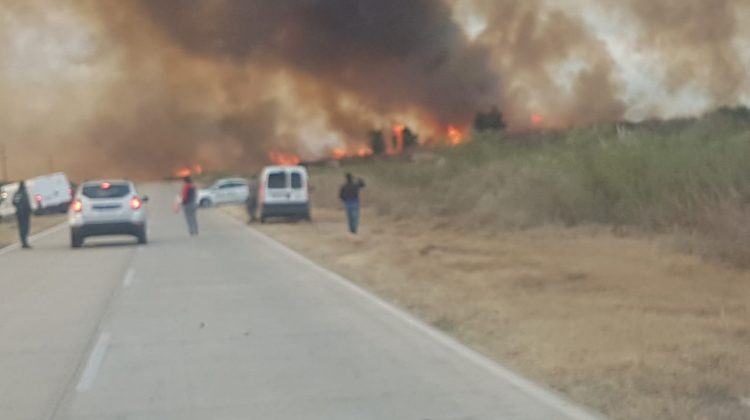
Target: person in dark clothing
251,204
349,195
189,198
23,213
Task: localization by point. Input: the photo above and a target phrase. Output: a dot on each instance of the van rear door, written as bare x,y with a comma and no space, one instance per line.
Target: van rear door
277,189
298,191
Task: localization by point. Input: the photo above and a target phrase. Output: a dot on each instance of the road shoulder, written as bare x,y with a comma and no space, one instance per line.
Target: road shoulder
600,318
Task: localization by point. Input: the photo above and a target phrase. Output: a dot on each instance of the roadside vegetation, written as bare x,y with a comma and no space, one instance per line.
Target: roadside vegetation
690,177
553,253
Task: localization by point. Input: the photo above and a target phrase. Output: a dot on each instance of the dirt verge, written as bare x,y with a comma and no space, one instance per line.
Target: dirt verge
624,325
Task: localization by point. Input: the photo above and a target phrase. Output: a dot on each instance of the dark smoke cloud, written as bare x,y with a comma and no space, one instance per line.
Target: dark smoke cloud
393,55
209,81
164,83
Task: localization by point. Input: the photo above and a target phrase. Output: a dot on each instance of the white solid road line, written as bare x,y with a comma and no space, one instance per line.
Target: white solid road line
129,277
94,363
543,395
33,238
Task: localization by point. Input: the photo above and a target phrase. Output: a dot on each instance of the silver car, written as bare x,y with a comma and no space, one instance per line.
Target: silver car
224,191
110,207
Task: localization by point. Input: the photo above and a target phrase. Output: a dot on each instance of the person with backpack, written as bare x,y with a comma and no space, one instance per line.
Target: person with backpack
349,195
23,213
189,203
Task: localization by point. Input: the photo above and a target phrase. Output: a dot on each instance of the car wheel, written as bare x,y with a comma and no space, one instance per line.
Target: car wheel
206,203
142,237
76,240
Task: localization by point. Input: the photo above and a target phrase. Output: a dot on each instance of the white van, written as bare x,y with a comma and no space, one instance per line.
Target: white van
284,192
7,209
50,193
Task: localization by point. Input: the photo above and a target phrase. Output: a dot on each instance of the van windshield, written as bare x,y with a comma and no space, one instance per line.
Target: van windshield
112,191
277,180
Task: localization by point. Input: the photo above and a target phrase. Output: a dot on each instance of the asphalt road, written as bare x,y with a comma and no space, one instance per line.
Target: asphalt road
228,325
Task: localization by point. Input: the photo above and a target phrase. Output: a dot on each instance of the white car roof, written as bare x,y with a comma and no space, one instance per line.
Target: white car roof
281,168
111,181
225,180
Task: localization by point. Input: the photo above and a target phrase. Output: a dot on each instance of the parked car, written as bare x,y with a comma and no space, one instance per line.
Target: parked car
109,207
224,191
50,193
284,192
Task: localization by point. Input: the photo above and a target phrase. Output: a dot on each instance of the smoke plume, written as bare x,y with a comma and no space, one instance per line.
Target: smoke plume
111,88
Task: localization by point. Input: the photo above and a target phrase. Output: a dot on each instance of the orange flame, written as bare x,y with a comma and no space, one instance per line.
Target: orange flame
196,169
339,153
343,153
398,134
283,159
455,136
182,172
364,151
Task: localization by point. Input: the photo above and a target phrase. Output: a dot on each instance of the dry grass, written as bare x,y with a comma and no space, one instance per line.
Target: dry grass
688,176
493,243
621,324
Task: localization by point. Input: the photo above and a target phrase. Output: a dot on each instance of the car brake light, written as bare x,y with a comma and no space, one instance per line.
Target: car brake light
135,203
106,185
77,206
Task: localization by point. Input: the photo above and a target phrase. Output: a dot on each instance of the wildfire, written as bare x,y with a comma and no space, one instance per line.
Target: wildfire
283,159
455,136
196,169
364,151
182,173
343,153
339,153
398,135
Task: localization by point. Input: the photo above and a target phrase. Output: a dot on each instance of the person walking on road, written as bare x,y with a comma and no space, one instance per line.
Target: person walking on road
349,195
251,204
189,197
23,213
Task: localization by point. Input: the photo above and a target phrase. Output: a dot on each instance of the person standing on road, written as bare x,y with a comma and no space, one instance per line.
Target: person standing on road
23,213
349,195
189,197
251,205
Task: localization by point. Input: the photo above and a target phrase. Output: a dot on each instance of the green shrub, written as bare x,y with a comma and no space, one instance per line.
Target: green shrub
657,175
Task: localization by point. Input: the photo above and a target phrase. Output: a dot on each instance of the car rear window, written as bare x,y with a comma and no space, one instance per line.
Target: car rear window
277,180
98,191
296,180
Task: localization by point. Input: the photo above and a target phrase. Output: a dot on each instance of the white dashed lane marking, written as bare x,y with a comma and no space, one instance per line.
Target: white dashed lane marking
94,363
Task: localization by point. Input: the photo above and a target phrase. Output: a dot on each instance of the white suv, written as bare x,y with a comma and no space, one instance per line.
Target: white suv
111,207
224,191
